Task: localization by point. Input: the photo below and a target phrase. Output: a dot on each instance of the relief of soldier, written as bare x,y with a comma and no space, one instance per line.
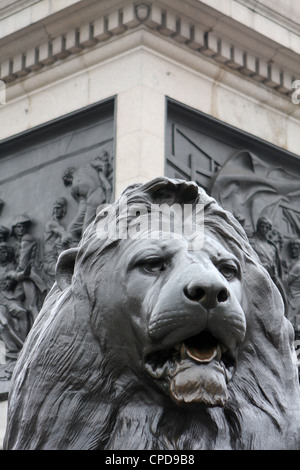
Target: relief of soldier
52,241
91,186
14,318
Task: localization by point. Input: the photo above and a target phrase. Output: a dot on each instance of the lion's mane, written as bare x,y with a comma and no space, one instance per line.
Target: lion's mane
66,394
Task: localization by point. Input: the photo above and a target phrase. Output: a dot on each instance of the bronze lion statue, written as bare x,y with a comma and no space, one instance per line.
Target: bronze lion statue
158,342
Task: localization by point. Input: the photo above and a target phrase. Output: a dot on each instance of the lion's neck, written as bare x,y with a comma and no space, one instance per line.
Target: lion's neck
168,428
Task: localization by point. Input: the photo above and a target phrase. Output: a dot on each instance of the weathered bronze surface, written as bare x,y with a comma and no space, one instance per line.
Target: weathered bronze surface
159,342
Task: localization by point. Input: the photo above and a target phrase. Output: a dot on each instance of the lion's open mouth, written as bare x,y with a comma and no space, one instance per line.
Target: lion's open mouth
194,370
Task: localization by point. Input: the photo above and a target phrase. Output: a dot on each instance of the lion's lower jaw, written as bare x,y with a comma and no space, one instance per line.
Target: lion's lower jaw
196,383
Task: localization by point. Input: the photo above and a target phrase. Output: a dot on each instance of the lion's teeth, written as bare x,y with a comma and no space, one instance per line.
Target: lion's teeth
183,351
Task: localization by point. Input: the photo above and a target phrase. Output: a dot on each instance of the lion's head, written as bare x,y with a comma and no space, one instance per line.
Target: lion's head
158,342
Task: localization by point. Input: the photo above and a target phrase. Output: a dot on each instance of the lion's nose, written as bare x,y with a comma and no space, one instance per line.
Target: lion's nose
208,295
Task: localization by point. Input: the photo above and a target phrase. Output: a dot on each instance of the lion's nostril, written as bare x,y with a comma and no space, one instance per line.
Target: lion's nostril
222,295
195,293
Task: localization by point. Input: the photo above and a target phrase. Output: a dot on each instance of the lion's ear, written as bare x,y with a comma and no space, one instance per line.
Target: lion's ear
65,268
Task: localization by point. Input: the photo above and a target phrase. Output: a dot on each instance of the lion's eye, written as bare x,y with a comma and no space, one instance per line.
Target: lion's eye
153,266
228,271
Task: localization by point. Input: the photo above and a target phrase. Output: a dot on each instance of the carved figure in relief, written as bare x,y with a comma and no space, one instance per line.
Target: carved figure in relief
90,187
27,270
158,342
266,249
54,231
294,283
14,318
268,253
4,233
276,237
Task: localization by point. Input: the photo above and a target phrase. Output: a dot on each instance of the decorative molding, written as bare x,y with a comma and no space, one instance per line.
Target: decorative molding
164,21
14,6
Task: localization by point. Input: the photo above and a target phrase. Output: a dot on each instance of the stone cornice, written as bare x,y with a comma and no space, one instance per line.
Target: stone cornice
275,68
273,14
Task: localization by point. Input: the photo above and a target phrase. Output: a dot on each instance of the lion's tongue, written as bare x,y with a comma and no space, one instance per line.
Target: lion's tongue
202,379
198,383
